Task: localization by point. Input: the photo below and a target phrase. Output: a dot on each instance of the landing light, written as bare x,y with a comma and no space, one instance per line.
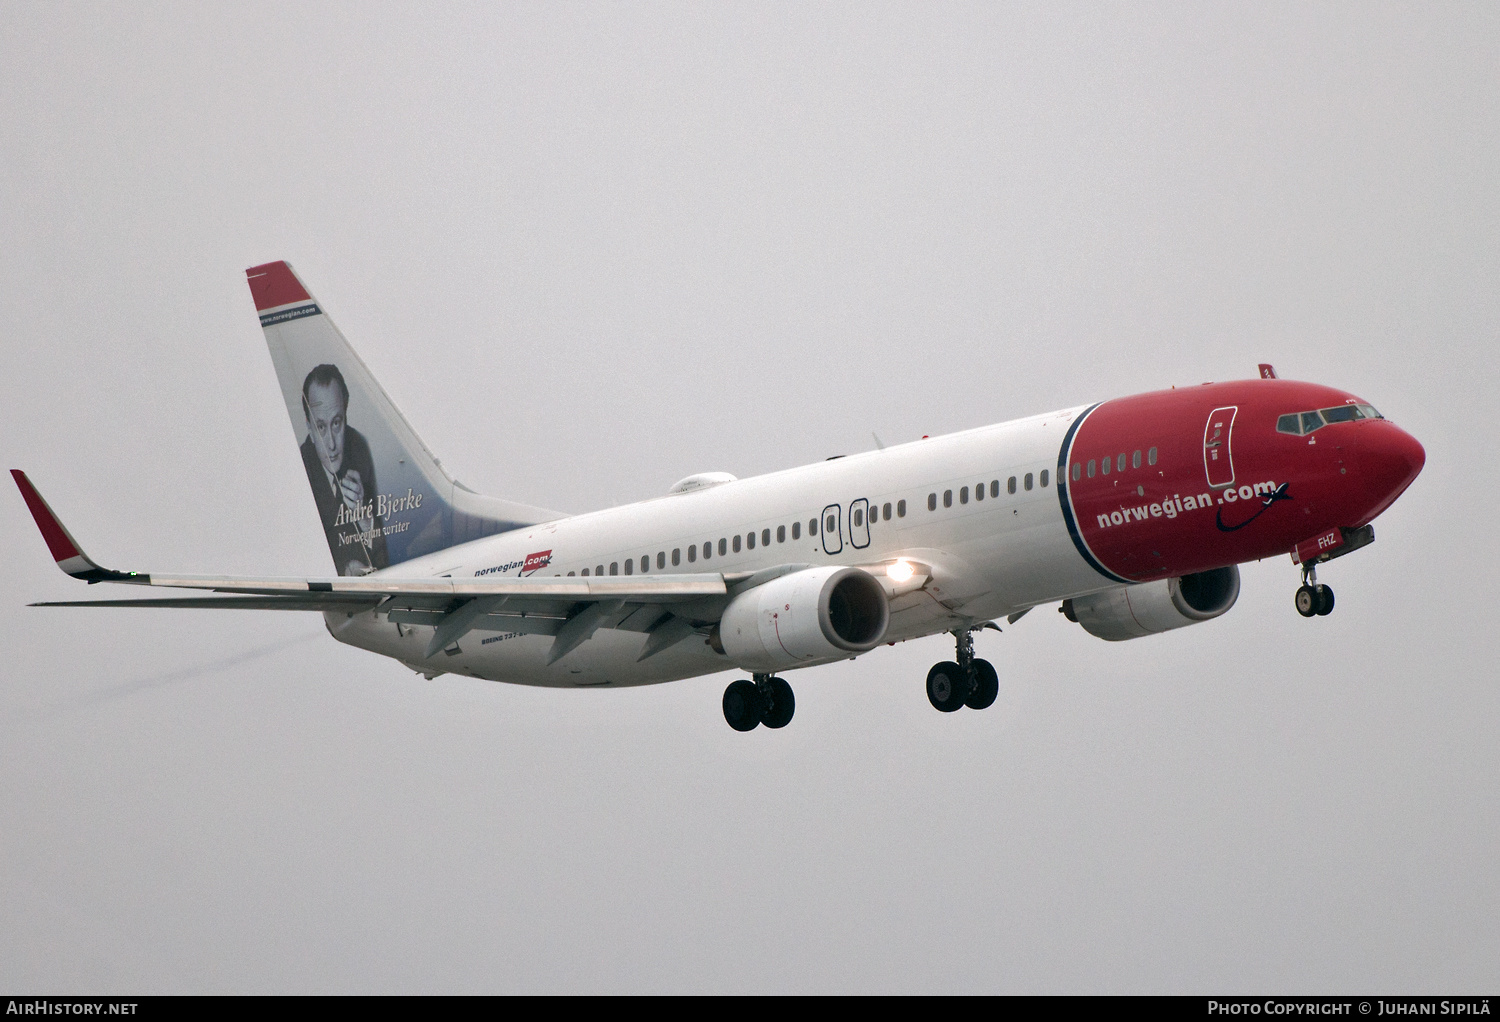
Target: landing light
900,571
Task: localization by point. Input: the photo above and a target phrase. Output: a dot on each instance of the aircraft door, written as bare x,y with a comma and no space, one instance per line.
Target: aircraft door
832,529
1218,462
859,523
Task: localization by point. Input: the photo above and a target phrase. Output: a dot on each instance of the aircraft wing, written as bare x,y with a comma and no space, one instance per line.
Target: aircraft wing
570,608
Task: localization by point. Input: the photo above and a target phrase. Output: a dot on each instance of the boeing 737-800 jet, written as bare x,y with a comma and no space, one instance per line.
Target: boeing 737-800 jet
1132,513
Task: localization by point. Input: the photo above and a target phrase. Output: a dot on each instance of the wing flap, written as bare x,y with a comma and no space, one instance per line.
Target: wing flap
632,589
227,603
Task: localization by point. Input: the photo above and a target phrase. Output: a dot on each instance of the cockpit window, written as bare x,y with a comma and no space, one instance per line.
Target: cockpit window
1303,423
1299,423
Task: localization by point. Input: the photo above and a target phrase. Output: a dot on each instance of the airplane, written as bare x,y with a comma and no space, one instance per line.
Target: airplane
1131,514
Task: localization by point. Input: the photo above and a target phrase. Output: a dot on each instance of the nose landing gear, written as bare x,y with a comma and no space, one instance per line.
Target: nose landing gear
969,682
764,700
1313,599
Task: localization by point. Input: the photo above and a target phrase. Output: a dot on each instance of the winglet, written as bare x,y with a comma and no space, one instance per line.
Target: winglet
64,548
1267,371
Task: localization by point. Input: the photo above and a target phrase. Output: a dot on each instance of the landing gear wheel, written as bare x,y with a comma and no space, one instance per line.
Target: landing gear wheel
1325,601
986,686
947,686
778,709
742,705
1307,601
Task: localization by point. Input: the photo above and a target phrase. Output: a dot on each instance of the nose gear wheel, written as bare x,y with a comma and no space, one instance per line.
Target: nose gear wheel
1313,599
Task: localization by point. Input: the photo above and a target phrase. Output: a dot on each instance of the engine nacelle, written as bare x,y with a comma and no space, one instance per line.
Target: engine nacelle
1153,607
807,616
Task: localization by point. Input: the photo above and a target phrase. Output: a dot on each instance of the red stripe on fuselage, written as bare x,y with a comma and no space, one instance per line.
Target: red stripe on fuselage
1168,519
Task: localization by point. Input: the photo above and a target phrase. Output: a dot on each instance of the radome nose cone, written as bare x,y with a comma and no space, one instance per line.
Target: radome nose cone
1391,460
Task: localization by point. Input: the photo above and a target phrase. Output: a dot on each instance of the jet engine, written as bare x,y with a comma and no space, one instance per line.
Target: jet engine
1153,607
813,615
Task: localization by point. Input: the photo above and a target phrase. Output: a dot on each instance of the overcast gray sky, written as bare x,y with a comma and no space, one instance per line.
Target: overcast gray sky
592,248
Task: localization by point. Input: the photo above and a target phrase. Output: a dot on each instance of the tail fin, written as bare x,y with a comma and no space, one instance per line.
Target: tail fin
381,495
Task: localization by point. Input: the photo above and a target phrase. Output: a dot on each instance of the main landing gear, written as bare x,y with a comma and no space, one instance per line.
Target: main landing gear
764,700
1313,599
968,682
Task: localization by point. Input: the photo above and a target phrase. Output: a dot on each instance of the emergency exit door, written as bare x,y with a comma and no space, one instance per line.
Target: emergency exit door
832,529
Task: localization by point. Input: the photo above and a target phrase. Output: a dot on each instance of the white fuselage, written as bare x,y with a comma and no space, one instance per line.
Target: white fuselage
987,557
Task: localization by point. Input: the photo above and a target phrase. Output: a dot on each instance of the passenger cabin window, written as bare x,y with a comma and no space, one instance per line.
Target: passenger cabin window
765,538
1044,478
1091,468
947,498
750,540
858,518
614,567
1105,464
1151,456
900,509
1077,470
645,563
630,566
599,570
1028,480
932,502
570,574
887,512
692,554
994,487
812,526
1010,485
796,530
831,525
722,544
1135,460
585,572
1120,463
963,496
781,533
979,492
736,543
661,559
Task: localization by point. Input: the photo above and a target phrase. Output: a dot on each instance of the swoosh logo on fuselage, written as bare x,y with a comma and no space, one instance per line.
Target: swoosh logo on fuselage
1279,494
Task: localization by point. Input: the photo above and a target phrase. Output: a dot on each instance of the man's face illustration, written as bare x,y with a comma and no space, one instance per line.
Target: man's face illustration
325,421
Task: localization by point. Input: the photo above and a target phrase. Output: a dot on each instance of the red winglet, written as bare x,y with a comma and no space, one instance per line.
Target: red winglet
275,284
59,542
1267,371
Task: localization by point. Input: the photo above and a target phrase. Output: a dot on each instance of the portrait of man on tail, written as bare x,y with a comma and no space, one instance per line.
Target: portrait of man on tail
342,475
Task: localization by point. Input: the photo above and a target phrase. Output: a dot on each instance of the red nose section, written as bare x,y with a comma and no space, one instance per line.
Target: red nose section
1390,458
